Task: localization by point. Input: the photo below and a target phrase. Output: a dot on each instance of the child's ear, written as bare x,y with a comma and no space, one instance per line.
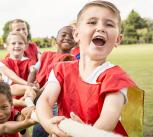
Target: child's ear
119,39
75,36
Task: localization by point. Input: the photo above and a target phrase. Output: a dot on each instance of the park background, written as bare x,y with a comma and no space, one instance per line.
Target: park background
135,53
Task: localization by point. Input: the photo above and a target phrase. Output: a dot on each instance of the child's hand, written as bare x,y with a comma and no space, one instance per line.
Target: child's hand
21,100
53,124
75,117
26,113
30,93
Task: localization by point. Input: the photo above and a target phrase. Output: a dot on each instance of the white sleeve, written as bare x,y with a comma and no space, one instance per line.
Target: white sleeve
4,77
52,77
123,91
1,64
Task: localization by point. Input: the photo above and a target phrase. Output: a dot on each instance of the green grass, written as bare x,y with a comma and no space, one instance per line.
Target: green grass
137,61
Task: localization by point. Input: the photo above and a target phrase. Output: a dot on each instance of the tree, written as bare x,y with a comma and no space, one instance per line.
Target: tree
130,27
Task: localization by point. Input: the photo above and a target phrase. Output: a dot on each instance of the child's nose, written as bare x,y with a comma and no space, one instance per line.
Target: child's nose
100,27
22,31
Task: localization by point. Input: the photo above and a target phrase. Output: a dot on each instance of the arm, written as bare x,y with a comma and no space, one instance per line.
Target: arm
23,121
12,75
19,102
111,111
46,102
43,108
20,90
12,127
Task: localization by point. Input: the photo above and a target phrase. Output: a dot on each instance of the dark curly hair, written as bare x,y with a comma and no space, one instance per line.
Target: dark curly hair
5,90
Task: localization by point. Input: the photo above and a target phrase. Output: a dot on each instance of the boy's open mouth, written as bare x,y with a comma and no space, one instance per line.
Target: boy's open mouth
99,41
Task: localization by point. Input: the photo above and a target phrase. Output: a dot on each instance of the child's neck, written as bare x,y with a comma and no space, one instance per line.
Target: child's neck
63,51
87,66
17,57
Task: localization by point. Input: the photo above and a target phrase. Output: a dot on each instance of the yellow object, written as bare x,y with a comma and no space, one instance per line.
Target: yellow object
133,113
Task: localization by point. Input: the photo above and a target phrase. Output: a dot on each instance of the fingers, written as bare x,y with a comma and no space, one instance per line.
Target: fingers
59,132
56,119
75,117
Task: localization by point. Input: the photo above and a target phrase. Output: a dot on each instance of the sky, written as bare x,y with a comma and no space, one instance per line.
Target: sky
46,17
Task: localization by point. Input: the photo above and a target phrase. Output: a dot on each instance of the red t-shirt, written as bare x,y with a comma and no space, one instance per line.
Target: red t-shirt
76,52
21,68
47,60
31,52
84,99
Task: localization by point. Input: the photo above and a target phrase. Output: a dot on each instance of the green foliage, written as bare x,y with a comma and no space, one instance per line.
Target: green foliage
6,30
1,43
43,42
135,19
137,29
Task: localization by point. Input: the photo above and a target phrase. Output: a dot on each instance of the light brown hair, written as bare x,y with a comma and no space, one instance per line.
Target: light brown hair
16,34
101,3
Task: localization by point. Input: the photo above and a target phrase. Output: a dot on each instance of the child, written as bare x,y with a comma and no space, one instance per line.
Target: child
16,43
9,124
64,44
94,89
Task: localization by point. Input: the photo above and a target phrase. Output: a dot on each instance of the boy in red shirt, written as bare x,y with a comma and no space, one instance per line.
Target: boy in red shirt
65,43
94,89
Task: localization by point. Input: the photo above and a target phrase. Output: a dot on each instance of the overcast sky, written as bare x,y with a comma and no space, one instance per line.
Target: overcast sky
46,17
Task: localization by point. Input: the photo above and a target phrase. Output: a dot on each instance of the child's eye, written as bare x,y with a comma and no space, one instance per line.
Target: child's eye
92,22
110,24
20,43
4,107
13,43
63,35
18,30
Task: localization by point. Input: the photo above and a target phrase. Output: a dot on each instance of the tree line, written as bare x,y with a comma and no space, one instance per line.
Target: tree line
135,30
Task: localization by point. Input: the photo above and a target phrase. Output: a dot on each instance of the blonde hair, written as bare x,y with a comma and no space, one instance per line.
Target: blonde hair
16,34
101,3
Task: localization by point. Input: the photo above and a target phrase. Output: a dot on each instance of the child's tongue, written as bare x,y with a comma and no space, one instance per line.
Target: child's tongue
98,42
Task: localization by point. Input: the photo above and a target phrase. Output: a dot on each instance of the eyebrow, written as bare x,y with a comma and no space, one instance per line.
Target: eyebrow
92,18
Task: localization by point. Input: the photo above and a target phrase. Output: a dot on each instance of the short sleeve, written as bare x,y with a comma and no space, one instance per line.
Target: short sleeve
1,64
52,77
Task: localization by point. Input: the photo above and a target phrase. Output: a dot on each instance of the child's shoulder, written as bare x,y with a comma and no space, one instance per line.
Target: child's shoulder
32,44
67,65
115,70
48,53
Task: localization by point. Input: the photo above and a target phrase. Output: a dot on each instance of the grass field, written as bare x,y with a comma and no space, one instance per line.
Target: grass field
137,61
